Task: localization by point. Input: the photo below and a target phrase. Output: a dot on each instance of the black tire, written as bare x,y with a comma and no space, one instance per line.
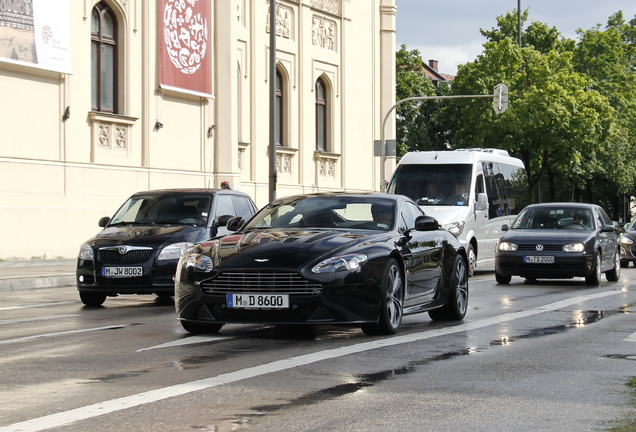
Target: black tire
595,278
615,273
472,260
392,302
502,279
92,299
457,304
624,263
197,328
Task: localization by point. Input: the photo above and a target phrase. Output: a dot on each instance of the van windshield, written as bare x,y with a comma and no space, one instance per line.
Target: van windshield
439,185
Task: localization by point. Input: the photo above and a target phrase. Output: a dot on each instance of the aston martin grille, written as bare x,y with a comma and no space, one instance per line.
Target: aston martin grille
261,282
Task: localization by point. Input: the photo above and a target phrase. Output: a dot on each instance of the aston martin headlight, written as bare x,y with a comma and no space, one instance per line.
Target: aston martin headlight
197,262
351,262
574,247
625,240
505,246
455,228
86,252
174,251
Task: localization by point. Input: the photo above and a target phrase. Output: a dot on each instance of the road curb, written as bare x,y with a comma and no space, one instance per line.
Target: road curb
40,282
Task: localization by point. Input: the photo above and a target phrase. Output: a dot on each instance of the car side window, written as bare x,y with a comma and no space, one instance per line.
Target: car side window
242,206
224,206
408,213
602,217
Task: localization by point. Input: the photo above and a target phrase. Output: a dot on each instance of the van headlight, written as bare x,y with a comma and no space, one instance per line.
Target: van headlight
455,228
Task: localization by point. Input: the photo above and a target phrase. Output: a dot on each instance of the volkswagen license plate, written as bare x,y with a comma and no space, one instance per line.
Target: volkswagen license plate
538,259
122,272
258,301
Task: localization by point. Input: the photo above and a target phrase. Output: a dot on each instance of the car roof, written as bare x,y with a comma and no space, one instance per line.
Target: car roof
382,195
177,191
563,204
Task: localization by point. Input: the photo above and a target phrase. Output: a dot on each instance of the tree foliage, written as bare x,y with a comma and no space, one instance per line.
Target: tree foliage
572,112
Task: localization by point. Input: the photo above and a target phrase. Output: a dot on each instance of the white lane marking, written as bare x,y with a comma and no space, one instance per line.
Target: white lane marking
187,341
37,305
114,405
63,333
631,338
40,318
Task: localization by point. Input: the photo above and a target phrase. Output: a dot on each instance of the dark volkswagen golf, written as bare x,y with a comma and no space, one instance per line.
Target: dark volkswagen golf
351,259
559,240
138,249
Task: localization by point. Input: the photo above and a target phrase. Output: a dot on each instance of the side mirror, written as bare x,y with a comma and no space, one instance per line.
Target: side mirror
234,223
482,201
505,227
103,221
426,223
223,220
608,228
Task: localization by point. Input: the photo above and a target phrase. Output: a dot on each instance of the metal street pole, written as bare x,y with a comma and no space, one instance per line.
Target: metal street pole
519,22
272,100
500,104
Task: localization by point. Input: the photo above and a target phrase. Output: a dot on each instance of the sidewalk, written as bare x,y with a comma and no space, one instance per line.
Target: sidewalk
32,274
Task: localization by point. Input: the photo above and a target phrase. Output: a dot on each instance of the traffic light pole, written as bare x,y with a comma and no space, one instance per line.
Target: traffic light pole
499,105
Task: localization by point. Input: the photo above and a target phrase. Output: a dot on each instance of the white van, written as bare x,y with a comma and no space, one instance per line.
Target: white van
471,192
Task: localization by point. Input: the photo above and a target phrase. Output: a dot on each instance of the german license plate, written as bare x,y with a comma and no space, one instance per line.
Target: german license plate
122,272
538,259
258,301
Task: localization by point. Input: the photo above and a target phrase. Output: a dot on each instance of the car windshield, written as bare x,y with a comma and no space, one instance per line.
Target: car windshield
439,185
569,218
190,209
326,212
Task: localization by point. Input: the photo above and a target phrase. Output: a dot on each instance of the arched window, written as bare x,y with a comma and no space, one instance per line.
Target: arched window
321,115
280,105
103,59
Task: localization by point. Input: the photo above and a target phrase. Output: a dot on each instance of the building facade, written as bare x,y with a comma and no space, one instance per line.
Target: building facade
100,99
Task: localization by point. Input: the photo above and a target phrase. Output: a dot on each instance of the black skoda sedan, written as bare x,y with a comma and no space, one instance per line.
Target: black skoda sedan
321,259
557,241
138,249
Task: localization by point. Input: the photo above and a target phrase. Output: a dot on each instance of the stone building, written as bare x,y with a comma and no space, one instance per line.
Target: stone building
100,99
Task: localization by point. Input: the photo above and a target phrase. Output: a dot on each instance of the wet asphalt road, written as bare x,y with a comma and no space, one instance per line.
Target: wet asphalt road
548,356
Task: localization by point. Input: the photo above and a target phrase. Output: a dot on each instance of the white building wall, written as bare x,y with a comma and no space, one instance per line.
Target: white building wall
59,176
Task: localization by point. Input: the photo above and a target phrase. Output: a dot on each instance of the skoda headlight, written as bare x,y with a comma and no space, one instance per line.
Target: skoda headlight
197,262
173,251
455,228
349,262
86,252
505,246
574,247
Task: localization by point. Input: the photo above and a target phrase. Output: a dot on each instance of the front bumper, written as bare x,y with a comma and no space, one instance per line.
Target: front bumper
566,265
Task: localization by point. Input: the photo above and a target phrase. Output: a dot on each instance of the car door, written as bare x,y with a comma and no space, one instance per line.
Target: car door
607,240
423,256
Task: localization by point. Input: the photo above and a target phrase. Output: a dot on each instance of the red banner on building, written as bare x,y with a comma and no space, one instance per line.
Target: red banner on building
185,48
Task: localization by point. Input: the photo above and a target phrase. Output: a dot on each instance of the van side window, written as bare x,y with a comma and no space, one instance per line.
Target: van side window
479,185
504,186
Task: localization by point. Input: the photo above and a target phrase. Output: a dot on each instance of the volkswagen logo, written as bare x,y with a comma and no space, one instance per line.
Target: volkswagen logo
122,249
539,247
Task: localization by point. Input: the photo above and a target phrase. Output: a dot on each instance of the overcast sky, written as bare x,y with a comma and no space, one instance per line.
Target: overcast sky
448,31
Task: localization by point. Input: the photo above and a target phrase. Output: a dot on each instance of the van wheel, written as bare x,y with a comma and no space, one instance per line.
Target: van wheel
472,259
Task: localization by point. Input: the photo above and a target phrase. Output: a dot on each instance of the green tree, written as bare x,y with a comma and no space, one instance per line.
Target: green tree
412,123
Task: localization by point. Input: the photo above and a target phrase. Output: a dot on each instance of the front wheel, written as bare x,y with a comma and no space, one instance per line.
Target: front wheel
457,304
472,260
392,302
595,278
92,299
615,273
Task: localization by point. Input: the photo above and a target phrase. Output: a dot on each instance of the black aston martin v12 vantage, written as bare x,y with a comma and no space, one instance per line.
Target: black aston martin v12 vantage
321,259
